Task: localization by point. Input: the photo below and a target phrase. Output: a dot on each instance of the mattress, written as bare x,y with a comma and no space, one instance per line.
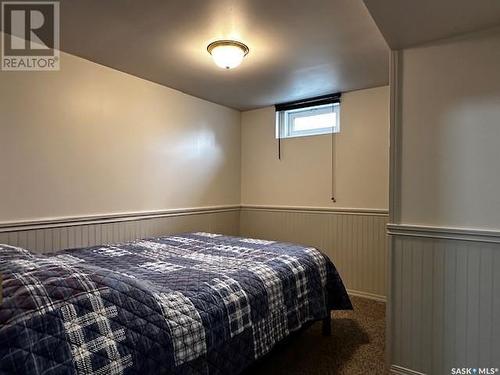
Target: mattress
196,303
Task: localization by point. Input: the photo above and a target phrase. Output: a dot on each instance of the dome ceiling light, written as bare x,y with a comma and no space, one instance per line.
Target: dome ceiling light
227,54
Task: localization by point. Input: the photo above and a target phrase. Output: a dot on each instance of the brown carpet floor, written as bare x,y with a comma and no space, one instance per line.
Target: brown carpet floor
356,345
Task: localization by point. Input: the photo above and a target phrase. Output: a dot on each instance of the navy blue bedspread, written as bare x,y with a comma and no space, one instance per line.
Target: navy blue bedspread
196,303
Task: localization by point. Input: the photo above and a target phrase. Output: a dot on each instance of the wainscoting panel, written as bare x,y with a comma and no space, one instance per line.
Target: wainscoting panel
445,302
355,240
64,234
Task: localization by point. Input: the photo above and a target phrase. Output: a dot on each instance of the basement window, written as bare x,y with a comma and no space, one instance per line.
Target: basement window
307,120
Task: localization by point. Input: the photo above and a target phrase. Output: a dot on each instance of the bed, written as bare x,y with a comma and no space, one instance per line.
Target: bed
196,303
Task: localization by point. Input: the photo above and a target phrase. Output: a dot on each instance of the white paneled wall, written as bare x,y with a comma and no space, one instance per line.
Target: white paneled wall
444,297
445,303
53,237
355,240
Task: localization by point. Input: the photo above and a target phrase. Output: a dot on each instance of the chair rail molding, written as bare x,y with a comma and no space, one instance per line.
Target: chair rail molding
56,222
446,233
312,209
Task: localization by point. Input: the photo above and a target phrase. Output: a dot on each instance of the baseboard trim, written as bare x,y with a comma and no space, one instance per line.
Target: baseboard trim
447,233
322,210
48,223
375,297
398,370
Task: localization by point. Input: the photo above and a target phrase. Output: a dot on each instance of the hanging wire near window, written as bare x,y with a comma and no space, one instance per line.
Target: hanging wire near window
279,130
334,162
279,147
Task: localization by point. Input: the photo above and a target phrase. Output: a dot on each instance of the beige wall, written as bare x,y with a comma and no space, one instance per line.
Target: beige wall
450,121
353,238
91,140
303,175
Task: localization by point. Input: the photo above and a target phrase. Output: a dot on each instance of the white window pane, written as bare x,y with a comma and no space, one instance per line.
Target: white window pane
301,122
320,121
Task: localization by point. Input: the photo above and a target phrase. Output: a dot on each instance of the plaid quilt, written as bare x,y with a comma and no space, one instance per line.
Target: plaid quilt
196,303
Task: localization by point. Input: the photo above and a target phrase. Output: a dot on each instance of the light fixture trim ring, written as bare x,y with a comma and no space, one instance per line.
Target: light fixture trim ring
227,42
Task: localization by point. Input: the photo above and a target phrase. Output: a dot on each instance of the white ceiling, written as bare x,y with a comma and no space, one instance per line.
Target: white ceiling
406,23
298,48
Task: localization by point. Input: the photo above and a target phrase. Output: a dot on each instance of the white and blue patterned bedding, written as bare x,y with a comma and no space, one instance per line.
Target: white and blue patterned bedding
195,303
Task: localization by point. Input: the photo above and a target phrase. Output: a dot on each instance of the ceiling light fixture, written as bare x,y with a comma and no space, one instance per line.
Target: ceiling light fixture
227,54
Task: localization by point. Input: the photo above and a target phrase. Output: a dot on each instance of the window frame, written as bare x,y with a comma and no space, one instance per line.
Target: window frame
285,120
